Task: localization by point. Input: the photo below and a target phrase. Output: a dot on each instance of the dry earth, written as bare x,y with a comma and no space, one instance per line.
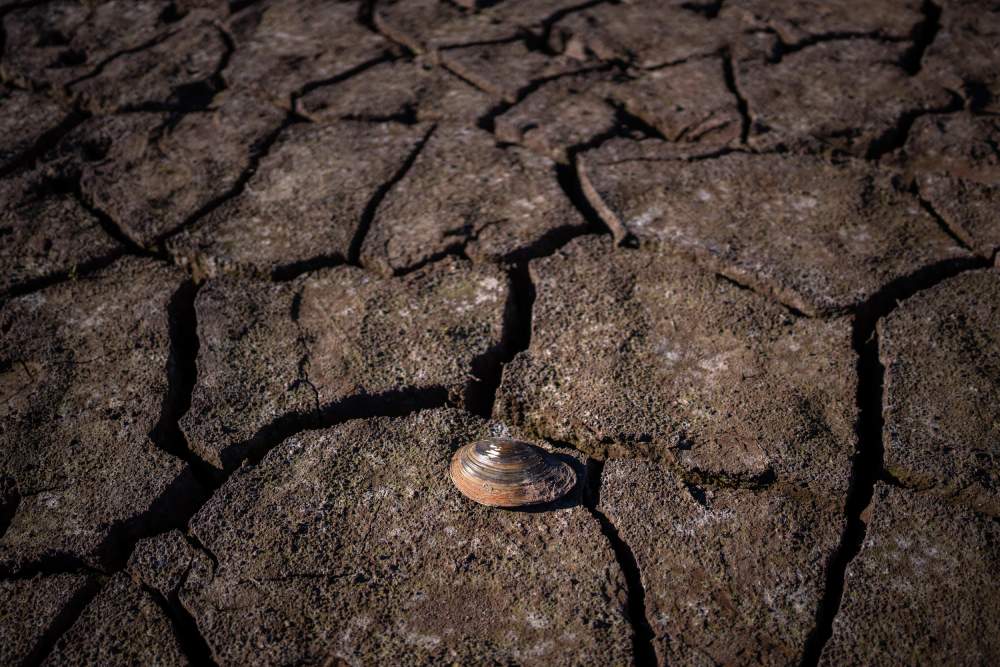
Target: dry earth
267,264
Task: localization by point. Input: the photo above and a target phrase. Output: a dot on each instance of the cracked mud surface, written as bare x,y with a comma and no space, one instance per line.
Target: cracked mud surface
268,263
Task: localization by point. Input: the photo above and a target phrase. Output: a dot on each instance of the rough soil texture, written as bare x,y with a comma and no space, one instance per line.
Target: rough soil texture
267,264
941,352
926,571
821,237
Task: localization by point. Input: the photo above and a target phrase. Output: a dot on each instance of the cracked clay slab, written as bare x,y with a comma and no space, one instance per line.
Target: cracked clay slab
956,161
731,576
463,192
352,543
806,20
923,589
506,69
175,72
306,199
151,172
163,562
46,232
282,45
641,353
820,236
965,52
123,625
25,118
54,43
111,55
425,26
789,108
559,116
274,349
31,611
643,33
940,350
688,103
398,88
89,359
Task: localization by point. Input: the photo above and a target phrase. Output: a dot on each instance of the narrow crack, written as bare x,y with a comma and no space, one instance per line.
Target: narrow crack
571,181
49,565
867,465
488,120
487,368
368,215
258,152
709,10
63,621
783,49
923,36
792,310
291,271
729,76
550,21
895,136
941,222
111,227
44,143
189,638
99,68
182,375
10,498
642,632
58,277
342,76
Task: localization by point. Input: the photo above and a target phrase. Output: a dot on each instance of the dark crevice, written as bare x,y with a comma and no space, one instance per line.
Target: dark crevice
552,242
343,76
395,403
885,300
549,22
629,125
568,177
293,270
941,222
487,368
99,68
867,465
895,137
454,250
368,215
408,116
182,375
709,10
63,621
923,36
195,543
770,297
783,49
186,632
642,632
457,46
46,566
236,6
111,228
729,76
10,498
55,278
488,120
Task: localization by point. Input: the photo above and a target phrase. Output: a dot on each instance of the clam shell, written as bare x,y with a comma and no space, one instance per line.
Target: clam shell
510,473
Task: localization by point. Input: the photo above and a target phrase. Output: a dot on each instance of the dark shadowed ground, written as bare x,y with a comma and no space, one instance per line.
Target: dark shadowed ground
264,265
